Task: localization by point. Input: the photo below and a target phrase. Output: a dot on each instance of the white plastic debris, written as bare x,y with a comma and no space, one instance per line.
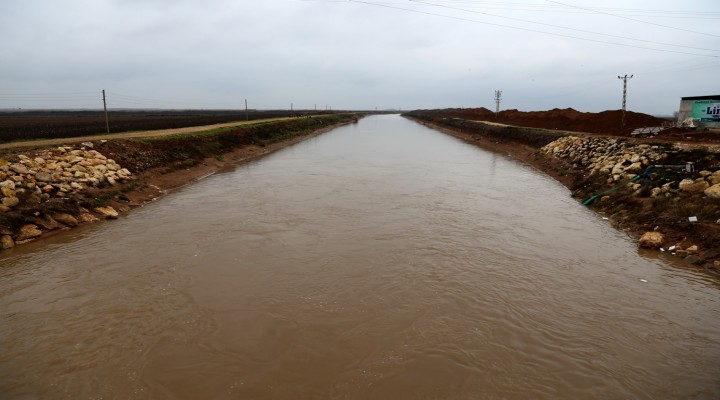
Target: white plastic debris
692,219
671,248
662,249
643,280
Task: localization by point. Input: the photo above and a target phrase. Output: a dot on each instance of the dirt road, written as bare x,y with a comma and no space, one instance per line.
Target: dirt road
132,135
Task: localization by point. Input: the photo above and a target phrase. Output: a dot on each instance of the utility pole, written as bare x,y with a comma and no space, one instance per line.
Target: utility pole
107,121
624,79
246,111
498,97
291,106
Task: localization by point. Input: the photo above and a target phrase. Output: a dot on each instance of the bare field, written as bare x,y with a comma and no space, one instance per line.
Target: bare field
33,125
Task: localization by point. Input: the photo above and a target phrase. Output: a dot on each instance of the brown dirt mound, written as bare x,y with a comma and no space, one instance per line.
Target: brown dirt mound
606,122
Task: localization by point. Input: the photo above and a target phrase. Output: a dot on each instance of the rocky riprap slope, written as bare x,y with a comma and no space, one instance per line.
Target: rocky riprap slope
35,189
651,184
620,161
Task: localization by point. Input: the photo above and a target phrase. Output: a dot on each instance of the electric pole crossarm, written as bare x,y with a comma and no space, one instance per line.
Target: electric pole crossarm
624,79
498,97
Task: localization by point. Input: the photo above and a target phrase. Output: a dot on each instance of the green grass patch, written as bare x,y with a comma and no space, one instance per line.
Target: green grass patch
105,197
684,205
131,187
210,132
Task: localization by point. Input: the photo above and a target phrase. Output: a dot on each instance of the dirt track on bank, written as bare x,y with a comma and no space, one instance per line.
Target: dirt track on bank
133,135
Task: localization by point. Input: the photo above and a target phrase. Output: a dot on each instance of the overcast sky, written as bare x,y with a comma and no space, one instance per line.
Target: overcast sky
357,55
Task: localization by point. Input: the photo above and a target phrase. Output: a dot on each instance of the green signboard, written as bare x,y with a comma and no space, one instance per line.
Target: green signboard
706,110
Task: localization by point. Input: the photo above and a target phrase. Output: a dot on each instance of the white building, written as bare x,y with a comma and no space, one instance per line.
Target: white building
704,111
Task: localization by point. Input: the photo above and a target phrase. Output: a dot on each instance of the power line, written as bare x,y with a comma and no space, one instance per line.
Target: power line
565,8
681,67
45,97
533,7
633,19
561,27
146,100
530,30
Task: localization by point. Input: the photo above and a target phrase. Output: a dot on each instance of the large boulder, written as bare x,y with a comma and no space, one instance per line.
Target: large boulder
86,217
47,222
691,186
28,231
652,240
6,242
715,178
635,167
66,219
19,169
10,201
713,191
43,176
7,192
107,212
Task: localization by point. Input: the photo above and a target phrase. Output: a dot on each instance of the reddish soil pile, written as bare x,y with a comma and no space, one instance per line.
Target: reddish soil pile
606,122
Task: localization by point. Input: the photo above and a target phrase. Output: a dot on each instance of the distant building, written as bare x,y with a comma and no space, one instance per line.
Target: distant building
703,111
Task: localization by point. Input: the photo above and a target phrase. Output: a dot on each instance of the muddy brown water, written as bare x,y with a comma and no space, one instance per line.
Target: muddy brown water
381,260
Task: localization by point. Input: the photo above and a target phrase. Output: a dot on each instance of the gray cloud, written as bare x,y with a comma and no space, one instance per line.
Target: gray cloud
216,53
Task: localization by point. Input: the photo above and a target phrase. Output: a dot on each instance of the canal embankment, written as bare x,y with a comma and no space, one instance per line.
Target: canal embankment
50,189
664,194
380,260
644,188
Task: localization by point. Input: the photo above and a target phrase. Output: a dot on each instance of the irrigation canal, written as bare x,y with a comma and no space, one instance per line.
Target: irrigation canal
381,260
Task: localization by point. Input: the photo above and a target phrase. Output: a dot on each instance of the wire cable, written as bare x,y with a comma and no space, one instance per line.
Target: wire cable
530,30
633,19
562,27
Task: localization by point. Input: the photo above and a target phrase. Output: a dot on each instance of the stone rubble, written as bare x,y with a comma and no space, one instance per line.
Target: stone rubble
59,172
620,160
56,173
652,240
617,161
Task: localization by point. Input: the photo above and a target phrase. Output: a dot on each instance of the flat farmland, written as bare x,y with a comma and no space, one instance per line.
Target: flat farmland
33,125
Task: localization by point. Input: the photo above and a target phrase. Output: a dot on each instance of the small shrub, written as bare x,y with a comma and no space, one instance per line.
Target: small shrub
105,197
